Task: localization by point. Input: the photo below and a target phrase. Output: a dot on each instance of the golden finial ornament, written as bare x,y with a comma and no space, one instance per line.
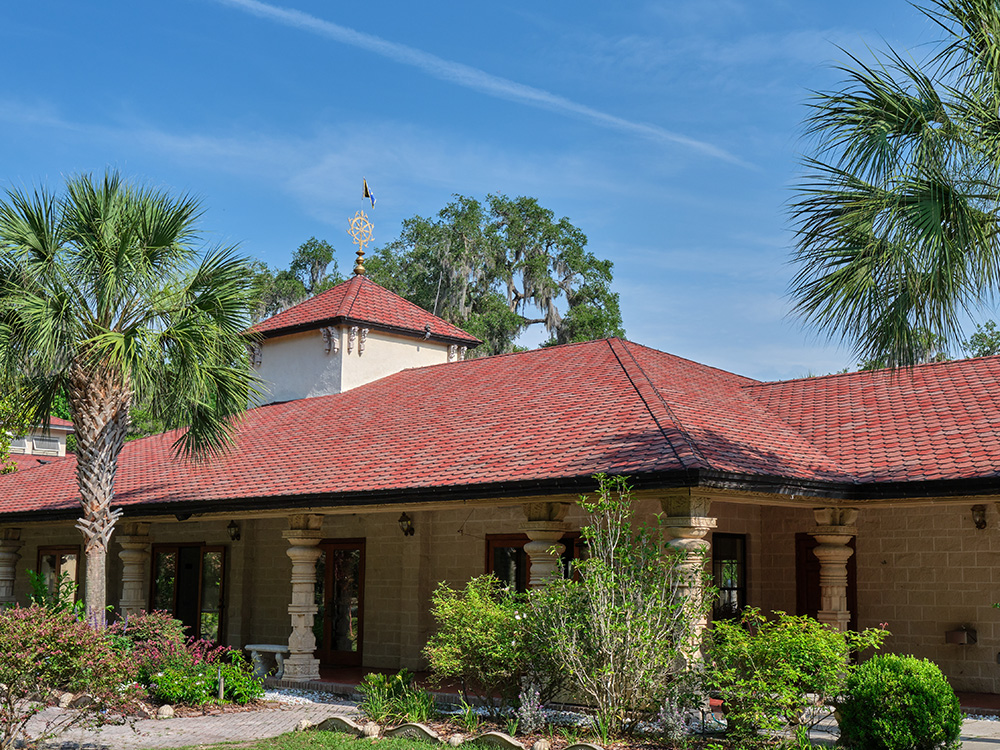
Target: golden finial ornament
361,231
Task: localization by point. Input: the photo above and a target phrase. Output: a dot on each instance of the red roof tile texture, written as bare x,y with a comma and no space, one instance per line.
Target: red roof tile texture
569,412
361,300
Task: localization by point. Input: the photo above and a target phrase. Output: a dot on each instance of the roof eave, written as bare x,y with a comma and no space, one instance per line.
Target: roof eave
315,325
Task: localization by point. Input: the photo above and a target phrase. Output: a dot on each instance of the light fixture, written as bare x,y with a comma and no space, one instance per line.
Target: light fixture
979,516
234,531
406,525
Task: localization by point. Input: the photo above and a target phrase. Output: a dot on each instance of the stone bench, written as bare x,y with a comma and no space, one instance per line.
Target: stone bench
257,651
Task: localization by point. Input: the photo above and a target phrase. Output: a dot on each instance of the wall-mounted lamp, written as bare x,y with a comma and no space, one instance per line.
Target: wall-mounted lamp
233,529
406,525
979,516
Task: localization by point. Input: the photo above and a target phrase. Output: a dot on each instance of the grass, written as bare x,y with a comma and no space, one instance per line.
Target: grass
316,741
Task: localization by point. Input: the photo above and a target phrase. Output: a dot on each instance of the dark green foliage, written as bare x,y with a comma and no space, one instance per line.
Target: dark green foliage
985,342
765,669
496,269
481,641
306,276
899,703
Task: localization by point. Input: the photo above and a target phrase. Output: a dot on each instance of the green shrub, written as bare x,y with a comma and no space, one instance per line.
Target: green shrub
623,628
394,698
197,683
763,669
154,641
899,703
479,641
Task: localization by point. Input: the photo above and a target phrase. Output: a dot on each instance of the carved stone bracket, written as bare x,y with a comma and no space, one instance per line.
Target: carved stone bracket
362,340
331,339
461,353
352,336
833,533
452,352
256,354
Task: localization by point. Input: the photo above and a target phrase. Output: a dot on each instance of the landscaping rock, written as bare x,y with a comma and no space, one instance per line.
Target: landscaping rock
303,725
414,731
340,724
499,740
82,701
584,746
371,729
542,744
455,740
65,699
165,712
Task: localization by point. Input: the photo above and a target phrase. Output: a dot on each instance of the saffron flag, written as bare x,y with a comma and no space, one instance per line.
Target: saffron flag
368,194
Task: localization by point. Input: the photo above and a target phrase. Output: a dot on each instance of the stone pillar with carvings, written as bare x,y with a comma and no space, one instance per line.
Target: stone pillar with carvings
10,545
687,522
304,532
545,527
134,540
835,527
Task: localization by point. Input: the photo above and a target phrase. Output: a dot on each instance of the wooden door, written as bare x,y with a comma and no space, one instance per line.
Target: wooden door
340,597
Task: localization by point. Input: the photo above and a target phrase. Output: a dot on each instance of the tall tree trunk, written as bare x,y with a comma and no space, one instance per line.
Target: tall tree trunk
99,400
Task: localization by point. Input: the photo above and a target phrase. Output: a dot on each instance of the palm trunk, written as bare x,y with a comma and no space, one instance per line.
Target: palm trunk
99,400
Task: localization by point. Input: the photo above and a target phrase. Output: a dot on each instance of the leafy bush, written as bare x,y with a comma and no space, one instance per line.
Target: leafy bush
62,599
44,652
197,682
176,671
479,641
154,641
899,703
764,668
624,629
394,697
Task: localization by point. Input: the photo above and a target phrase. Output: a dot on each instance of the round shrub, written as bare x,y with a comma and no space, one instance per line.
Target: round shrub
899,703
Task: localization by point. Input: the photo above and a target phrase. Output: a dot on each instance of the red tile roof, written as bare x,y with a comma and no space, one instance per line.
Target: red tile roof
361,300
551,417
25,462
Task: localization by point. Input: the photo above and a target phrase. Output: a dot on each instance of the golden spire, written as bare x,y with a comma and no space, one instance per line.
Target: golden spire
361,231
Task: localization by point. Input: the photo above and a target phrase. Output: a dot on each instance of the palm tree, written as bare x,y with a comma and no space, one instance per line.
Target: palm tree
104,297
897,218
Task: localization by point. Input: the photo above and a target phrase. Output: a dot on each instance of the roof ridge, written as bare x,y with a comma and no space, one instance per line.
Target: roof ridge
892,371
354,298
685,460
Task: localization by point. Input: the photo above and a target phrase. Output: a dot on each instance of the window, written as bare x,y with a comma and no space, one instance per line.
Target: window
507,560
18,445
56,562
729,565
46,445
188,583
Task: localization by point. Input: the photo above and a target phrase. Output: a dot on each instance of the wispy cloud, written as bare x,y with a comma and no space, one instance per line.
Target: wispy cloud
474,78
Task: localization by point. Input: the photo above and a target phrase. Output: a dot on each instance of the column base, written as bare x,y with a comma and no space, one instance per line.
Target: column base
301,668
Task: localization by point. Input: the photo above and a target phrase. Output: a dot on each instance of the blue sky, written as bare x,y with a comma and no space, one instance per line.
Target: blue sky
669,132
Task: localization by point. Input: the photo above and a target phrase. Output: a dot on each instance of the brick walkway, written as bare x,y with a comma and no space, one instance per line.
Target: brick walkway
196,730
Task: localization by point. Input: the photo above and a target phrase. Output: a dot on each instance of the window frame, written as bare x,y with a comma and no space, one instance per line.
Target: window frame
572,540
61,550
740,588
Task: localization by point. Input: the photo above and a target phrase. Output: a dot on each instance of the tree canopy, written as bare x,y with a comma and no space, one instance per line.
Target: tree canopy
498,267
313,269
897,217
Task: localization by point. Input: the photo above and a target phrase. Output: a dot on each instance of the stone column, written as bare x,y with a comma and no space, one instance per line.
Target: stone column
834,529
134,540
544,527
686,522
10,544
303,534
